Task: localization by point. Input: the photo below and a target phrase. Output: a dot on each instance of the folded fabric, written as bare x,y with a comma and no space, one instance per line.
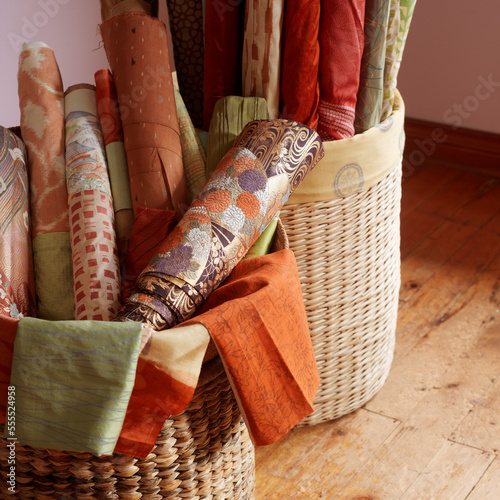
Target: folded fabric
186,26
17,285
405,11
341,49
264,241
41,102
96,270
299,89
222,56
230,116
371,85
267,162
137,51
112,132
111,8
8,327
357,163
261,60
73,382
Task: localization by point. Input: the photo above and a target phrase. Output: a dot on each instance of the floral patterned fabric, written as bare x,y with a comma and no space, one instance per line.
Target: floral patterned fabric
267,162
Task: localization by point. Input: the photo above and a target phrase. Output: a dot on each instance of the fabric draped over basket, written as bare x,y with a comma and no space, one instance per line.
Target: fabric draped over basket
96,270
17,284
341,48
41,101
267,162
137,51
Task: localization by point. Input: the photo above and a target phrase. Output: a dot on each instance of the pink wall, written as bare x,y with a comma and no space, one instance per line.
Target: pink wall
450,71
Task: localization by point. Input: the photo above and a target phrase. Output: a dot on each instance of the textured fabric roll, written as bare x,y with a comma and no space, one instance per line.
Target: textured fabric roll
261,60
341,48
371,85
222,58
8,327
137,51
17,286
96,270
41,102
299,90
186,26
109,116
405,15
231,114
267,162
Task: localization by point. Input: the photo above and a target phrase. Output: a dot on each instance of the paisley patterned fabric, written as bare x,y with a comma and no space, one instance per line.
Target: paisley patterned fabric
267,162
17,286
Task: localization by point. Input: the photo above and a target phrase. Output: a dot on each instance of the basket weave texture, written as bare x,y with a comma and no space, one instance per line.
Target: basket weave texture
203,453
348,257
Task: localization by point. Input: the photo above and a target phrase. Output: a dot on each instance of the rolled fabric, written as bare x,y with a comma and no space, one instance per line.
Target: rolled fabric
96,270
267,162
371,85
299,90
17,284
341,48
222,56
109,116
8,327
113,7
186,26
261,61
231,115
405,13
137,51
41,102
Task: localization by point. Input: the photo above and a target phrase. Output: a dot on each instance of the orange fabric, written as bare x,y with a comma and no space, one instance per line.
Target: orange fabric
137,51
258,322
8,330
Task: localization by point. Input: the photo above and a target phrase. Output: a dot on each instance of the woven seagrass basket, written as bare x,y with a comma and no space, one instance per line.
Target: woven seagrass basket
348,256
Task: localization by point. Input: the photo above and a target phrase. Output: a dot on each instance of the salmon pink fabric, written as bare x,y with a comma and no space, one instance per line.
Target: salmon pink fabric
299,90
341,49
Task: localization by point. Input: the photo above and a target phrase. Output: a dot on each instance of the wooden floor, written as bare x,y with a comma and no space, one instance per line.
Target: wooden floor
433,431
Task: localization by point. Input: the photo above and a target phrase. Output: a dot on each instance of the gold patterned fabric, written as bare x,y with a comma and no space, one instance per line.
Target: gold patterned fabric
267,162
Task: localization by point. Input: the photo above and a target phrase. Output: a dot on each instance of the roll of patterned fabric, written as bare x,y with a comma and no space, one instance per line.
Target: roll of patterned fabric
267,162
186,26
41,102
137,51
111,125
341,48
299,90
17,284
371,85
222,58
261,60
96,270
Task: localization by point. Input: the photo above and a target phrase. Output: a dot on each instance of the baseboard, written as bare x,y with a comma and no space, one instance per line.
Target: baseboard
465,148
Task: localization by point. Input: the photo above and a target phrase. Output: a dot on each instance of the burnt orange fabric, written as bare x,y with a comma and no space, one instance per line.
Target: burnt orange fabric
299,90
8,330
137,51
258,322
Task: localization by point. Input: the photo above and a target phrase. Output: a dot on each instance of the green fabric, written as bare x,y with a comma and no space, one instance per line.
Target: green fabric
371,83
230,116
118,176
73,382
53,263
263,244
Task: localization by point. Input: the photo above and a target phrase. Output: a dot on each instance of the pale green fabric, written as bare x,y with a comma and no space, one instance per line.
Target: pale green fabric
54,276
73,381
230,116
263,244
118,176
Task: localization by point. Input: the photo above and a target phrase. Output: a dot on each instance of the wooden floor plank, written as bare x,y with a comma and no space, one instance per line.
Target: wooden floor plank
488,486
415,227
451,474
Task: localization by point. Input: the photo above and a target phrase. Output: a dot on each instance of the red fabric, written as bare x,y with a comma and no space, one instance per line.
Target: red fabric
258,322
150,229
341,48
107,104
222,59
299,90
8,330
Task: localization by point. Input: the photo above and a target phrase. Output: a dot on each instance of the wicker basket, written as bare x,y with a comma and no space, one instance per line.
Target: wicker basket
347,251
